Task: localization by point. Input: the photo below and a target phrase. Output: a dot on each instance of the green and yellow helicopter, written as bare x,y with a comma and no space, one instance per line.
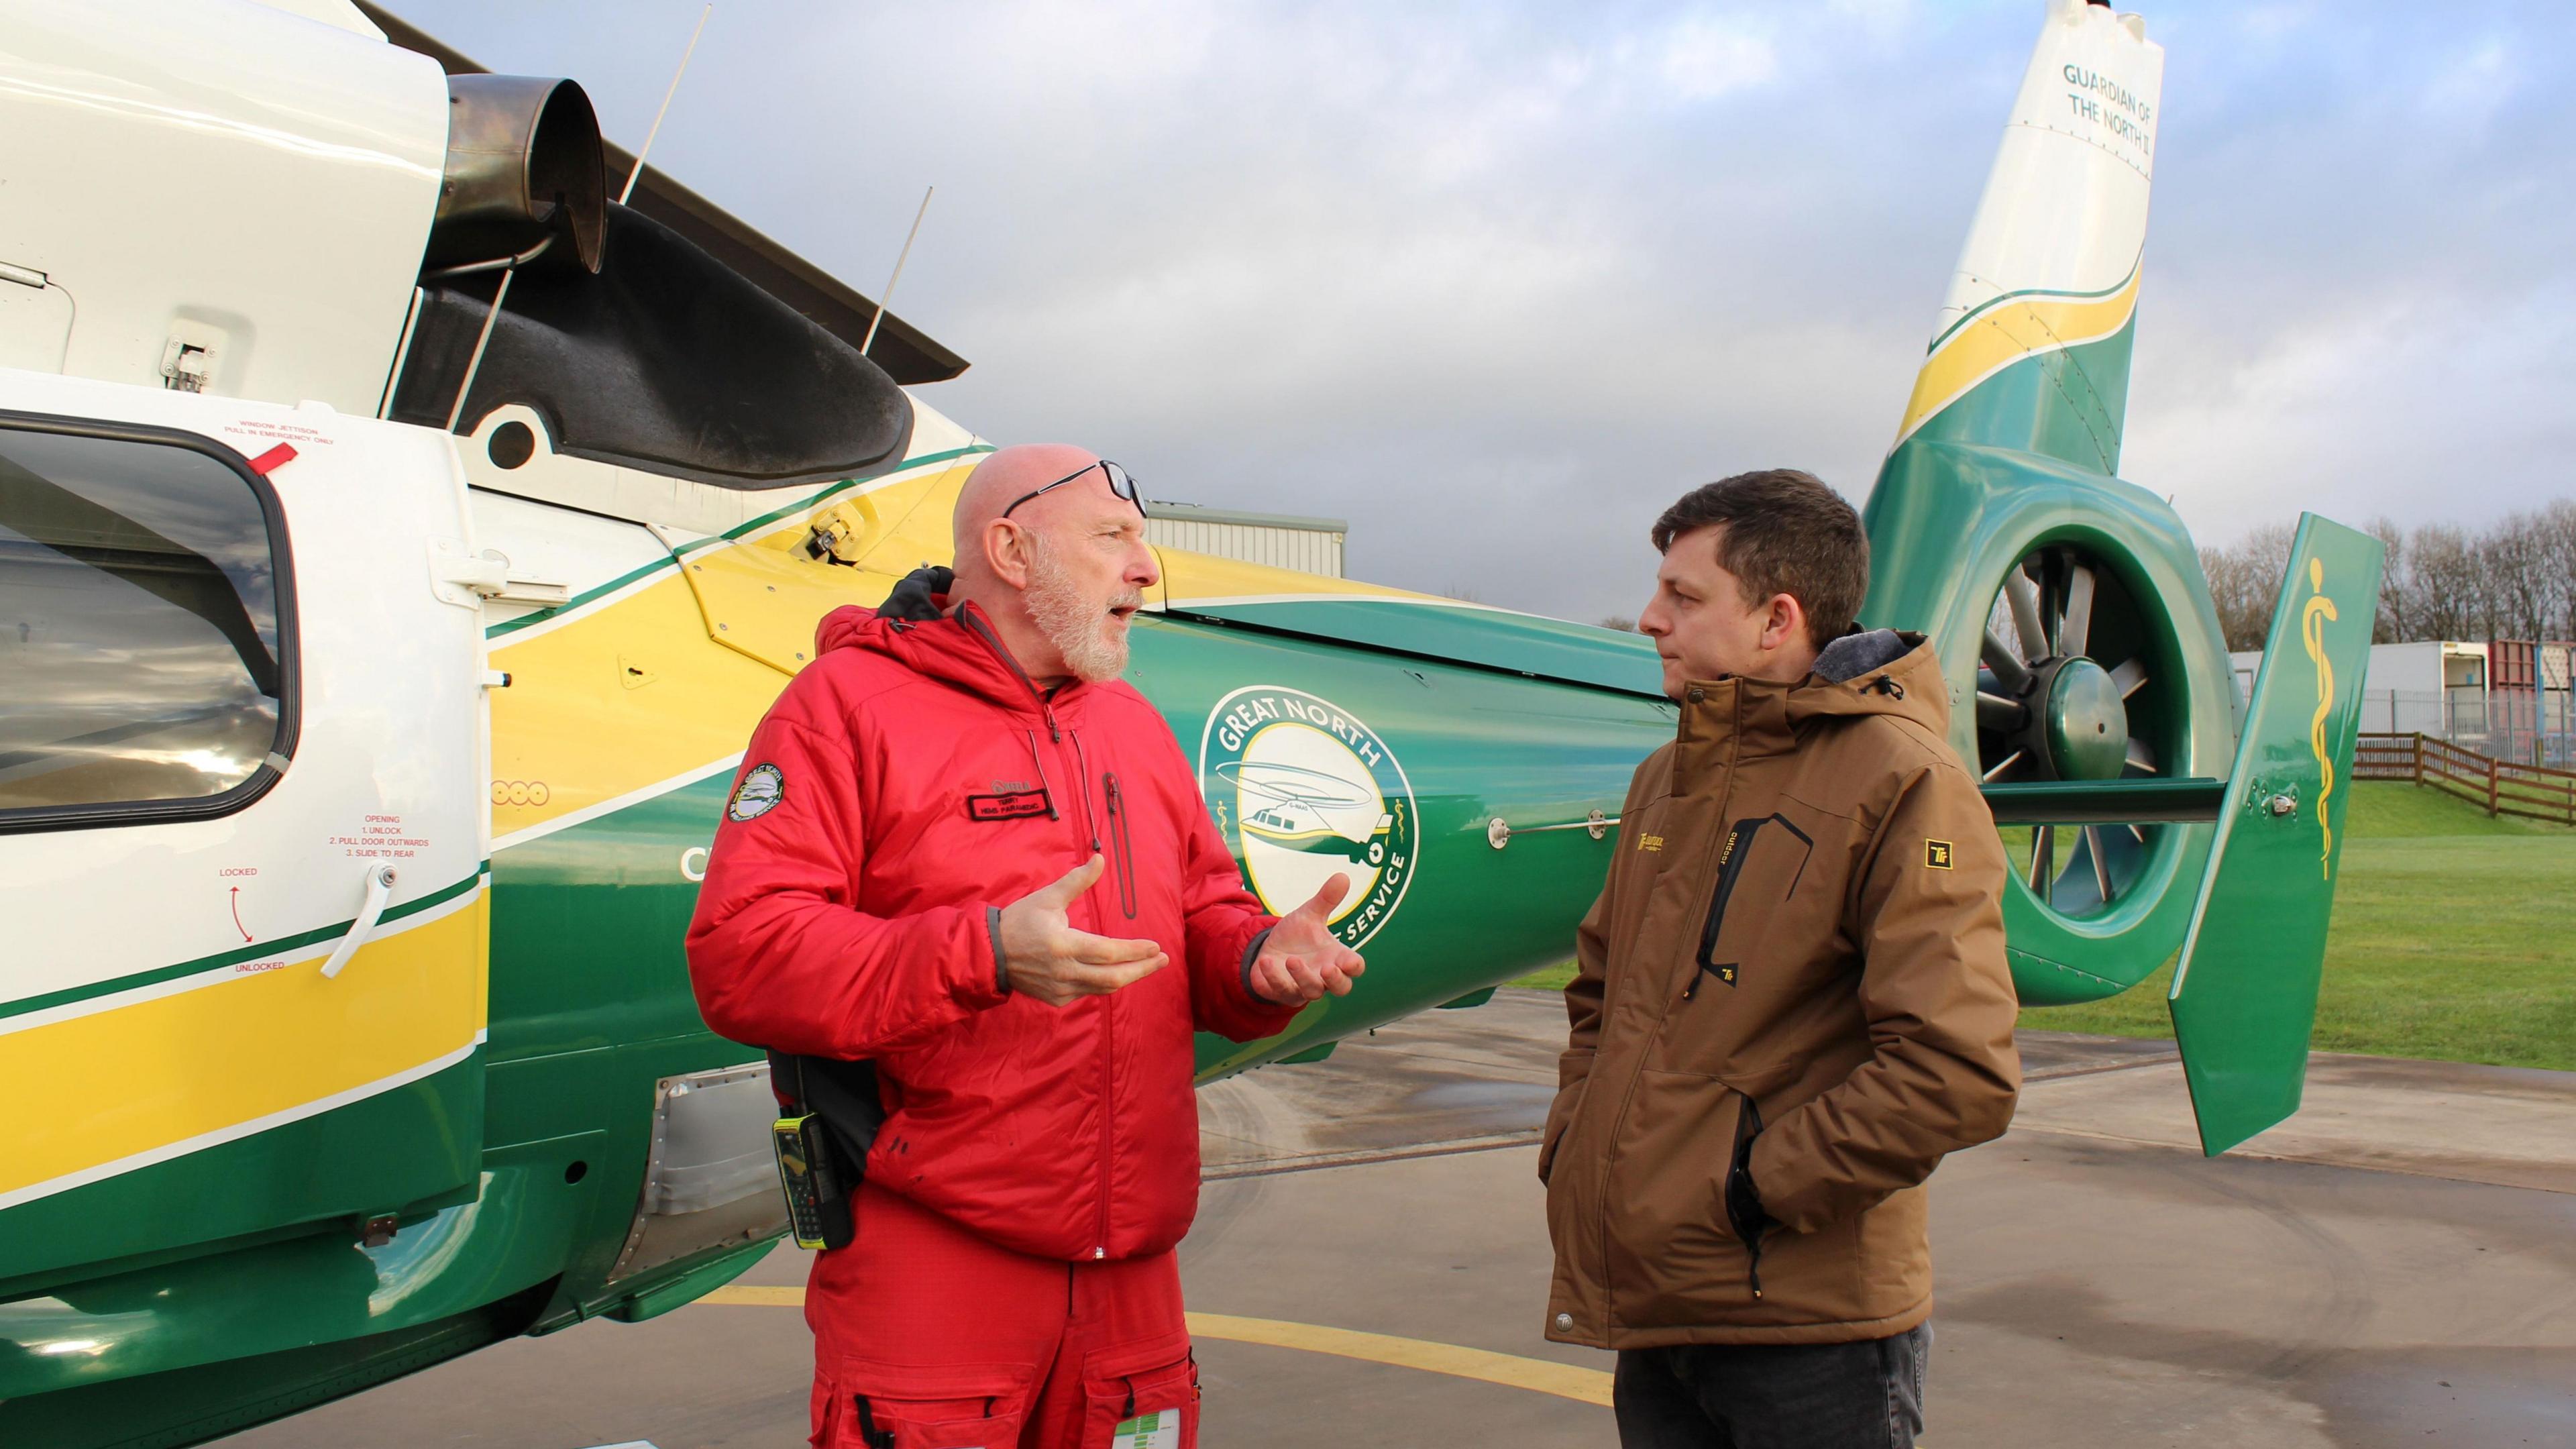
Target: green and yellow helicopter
399,540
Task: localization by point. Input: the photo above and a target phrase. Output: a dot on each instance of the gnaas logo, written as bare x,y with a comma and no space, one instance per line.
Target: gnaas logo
1303,789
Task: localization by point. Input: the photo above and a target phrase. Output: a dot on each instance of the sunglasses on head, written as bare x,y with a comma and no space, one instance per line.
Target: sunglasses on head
1121,483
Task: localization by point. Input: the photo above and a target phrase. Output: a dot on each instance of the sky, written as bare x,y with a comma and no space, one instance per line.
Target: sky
1496,282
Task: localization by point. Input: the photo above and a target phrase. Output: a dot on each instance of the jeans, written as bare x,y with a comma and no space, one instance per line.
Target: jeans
1865,1395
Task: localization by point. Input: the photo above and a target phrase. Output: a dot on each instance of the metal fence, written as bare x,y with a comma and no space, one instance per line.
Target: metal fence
2500,786
2533,727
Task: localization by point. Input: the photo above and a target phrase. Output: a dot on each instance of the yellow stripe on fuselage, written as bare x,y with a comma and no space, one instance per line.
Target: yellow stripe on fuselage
2006,333
629,695
133,1083
614,701
626,696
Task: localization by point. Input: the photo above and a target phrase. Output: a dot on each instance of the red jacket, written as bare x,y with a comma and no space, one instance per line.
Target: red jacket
907,781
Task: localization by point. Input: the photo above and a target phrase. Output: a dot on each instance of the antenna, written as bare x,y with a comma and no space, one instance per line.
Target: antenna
637,174
509,266
887,295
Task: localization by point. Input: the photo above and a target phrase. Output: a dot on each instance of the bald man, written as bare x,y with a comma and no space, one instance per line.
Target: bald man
961,849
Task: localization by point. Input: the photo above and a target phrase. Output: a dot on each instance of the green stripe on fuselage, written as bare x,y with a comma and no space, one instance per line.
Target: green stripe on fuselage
251,952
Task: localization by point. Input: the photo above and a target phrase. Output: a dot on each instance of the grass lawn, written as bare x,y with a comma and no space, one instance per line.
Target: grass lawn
2454,938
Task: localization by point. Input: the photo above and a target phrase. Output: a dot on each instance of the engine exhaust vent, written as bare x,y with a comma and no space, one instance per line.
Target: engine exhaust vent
523,167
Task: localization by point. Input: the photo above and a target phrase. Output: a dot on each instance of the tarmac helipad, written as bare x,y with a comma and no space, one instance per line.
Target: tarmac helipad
2397,1265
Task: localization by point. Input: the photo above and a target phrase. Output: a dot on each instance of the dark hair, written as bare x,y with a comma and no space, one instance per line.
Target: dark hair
1785,533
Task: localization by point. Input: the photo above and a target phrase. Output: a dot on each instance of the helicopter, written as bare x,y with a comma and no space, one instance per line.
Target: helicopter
399,539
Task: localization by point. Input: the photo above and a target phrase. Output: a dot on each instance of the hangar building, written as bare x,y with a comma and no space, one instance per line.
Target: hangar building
1285,541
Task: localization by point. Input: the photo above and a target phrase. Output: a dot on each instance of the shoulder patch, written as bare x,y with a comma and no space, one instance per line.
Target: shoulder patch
1936,854
762,790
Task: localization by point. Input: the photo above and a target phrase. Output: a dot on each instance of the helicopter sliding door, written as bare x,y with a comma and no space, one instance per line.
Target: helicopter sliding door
241,828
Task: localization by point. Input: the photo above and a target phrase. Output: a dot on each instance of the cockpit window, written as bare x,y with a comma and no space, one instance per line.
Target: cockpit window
144,658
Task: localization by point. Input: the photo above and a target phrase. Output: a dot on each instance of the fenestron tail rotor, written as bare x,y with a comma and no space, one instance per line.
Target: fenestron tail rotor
2066,691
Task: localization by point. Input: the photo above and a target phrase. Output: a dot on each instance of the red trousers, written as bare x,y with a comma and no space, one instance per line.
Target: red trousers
928,1337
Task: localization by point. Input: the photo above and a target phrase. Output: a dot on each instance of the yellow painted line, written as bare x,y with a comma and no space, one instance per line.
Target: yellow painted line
1583,1385
1538,1375
753,1295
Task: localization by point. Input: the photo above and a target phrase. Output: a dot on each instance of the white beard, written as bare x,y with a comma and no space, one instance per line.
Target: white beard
1093,643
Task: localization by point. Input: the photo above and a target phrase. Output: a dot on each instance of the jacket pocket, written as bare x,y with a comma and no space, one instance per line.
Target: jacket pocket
1719,956
1744,1214
1121,850
1550,1139
888,1407
1671,1258
1143,1398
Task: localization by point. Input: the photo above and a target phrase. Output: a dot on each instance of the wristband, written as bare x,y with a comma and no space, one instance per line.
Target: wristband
1251,954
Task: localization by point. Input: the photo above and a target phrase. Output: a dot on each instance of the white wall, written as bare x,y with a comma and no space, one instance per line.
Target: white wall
1313,551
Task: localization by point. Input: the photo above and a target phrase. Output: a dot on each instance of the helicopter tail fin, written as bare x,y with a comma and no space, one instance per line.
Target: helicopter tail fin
2031,351
2244,997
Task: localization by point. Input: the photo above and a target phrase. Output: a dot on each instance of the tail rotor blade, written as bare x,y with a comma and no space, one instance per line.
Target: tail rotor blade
2130,677
2075,629
2023,595
2008,669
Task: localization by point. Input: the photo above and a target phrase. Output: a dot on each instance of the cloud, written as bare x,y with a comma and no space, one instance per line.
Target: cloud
1702,57
1496,283
2472,86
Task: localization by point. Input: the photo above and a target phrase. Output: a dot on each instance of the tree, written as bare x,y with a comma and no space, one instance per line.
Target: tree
2245,583
2450,584
2396,620
2514,580
2556,525
2522,596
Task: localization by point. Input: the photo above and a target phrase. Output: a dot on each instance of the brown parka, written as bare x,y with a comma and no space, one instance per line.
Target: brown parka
1800,946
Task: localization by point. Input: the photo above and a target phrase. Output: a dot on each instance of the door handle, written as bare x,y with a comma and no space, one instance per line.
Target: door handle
380,889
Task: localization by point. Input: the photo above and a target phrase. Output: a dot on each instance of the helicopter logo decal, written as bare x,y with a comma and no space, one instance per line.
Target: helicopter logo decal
1304,790
2314,615
761,791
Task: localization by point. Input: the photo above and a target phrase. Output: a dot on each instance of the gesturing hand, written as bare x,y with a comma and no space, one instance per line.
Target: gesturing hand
1303,959
1047,959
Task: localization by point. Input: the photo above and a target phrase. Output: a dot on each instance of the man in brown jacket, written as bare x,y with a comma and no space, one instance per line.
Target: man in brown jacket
1792,1002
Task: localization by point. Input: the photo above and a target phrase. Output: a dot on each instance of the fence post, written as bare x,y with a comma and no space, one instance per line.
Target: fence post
2491,784
2419,757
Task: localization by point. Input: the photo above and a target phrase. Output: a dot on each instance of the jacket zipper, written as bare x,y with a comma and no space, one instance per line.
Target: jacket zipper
983,631
1619,1119
1748,1125
1108,1117
1120,850
1045,786
1082,759
1108,1004
1730,864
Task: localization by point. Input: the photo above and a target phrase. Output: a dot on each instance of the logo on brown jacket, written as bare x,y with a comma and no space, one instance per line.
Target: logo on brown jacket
1936,854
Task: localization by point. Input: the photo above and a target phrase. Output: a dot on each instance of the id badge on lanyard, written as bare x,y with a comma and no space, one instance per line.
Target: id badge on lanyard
1158,1430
